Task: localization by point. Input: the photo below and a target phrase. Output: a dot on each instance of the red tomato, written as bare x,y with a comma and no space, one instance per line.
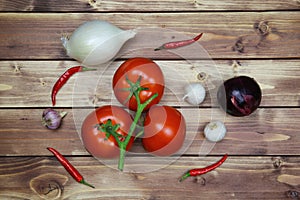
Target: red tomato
164,130
151,78
95,140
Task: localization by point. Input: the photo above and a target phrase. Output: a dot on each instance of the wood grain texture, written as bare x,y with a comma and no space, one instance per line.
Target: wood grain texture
265,132
255,38
37,178
29,83
145,6
226,35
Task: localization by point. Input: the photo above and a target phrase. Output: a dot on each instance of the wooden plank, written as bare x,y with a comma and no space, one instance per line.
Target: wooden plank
265,132
145,6
29,83
227,34
238,178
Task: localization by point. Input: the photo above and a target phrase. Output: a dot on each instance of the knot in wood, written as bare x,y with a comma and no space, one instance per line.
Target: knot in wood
239,46
48,186
262,28
202,76
94,3
235,65
277,163
17,69
292,194
200,180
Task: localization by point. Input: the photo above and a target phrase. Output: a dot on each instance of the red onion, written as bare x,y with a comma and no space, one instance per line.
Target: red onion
239,96
52,118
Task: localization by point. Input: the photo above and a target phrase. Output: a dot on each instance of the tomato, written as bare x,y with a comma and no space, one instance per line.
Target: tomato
164,130
151,78
95,140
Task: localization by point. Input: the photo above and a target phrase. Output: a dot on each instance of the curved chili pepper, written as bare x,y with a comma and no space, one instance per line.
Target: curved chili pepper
64,78
69,167
176,44
200,171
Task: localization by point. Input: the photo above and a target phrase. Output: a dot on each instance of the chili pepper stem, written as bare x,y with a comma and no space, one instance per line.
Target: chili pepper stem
159,48
86,183
83,69
184,176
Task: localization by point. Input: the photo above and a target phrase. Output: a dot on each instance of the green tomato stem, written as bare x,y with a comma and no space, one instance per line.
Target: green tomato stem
110,129
122,147
139,134
140,109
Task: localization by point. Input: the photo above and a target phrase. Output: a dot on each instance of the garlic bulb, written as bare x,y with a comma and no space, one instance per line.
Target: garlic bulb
194,93
215,131
96,42
52,119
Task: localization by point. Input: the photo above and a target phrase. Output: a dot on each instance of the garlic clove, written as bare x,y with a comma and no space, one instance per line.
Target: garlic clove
194,93
215,131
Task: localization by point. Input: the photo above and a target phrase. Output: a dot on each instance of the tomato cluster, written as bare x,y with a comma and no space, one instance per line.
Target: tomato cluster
138,84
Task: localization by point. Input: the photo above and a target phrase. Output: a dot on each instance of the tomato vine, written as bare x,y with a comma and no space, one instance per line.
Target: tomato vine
140,109
111,129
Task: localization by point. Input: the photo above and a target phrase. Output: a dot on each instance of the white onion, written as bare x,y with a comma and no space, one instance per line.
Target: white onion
96,42
194,93
215,131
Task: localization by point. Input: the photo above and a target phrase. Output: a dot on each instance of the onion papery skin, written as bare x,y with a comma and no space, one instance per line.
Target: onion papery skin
96,42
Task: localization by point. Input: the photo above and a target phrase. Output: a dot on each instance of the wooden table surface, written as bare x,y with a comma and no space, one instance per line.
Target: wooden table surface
257,38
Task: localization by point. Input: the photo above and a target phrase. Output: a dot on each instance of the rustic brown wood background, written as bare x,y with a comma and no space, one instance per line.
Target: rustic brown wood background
255,38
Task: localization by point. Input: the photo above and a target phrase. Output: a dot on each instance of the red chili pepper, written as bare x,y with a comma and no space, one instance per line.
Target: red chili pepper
200,171
176,44
64,78
69,167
